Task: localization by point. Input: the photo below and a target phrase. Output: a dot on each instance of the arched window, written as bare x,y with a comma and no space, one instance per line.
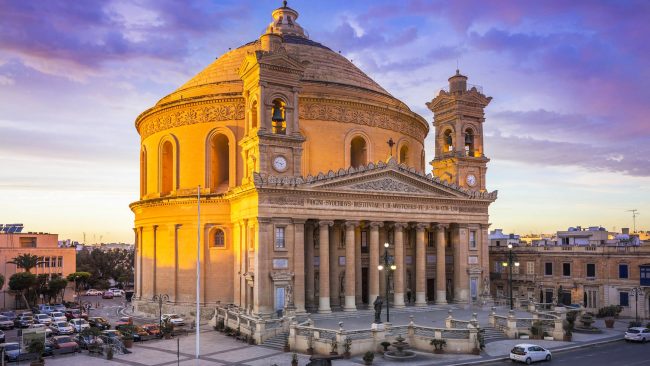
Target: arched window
167,168
469,142
219,239
219,163
404,155
358,152
448,141
253,116
278,117
143,172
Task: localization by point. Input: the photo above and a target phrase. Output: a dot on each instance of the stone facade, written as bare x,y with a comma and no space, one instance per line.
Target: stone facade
305,168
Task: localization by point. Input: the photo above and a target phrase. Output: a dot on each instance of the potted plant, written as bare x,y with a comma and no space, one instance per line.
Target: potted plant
167,329
347,345
310,345
37,347
127,332
287,348
109,352
609,313
294,359
368,357
438,345
334,348
537,330
567,326
385,345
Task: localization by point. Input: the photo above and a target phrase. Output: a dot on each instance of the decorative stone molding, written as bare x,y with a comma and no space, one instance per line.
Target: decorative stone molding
326,223
191,113
386,184
281,276
362,114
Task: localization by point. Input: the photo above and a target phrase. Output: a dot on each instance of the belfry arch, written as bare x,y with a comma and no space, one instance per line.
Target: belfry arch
220,160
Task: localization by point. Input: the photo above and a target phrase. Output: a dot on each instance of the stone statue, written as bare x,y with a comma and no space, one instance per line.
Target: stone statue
486,286
378,304
289,295
559,295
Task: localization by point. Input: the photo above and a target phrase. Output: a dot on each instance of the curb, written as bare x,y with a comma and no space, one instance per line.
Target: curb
558,350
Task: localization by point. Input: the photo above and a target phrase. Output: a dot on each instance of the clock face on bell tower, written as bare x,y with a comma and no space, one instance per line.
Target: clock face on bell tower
458,121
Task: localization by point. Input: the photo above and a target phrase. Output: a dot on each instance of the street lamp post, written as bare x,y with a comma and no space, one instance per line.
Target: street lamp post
388,265
636,291
161,298
510,263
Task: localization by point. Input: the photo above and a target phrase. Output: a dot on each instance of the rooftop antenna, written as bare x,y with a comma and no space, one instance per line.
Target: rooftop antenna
635,213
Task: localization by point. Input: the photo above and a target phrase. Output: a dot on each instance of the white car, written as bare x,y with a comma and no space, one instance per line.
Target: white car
175,319
93,292
62,328
42,319
58,316
79,324
529,353
637,334
118,293
6,323
48,331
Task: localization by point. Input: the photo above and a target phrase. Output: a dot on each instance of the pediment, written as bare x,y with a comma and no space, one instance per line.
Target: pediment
384,178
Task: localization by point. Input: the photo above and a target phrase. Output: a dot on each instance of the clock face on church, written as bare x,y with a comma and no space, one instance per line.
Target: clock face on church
280,163
471,180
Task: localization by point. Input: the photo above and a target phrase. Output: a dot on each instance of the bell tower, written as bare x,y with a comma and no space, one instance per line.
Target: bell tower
273,143
458,119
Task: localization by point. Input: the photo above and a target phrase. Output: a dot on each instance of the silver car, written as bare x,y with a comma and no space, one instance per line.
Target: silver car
637,334
6,323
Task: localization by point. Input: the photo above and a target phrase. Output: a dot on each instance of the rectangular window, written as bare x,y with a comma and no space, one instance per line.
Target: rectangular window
624,299
472,240
623,271
515,269
591,270
280,263
431,259
364,241
47,262
316,261
431,240
279,237
408,259
342,261
548,268
566,269
60,261
498,267
530,268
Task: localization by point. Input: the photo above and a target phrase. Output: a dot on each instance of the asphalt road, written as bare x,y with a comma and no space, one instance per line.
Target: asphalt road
611,354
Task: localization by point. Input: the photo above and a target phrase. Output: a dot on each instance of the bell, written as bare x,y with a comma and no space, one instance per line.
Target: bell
448,139
469,139
277,114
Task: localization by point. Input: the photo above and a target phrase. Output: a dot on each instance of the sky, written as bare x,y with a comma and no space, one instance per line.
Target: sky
567,131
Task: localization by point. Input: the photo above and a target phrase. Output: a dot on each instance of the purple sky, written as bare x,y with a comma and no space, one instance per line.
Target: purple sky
567,131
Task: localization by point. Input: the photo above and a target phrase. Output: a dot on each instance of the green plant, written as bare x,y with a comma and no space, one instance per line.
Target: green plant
167,327
347,345
368,356
537,329
334,347
386,345
567,327
294,357
37,347
609,311
480,337
635,323
109,353
127,331
438,344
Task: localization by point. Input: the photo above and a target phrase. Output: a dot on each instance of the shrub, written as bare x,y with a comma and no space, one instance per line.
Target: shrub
537,329
347,344
36,346
438,344
609,311
635,323
368,356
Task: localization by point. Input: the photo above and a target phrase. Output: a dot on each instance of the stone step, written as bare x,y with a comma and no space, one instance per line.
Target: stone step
356,314
277,342
492,335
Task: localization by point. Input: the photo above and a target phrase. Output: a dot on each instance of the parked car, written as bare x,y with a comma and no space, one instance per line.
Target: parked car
23,321
93,292
48,331
637,334
175,319
62,328
107,295
79,324
529,353
99,322
87,340
75,314
12,351
118,293
42,319
6,323
125,320
59,307
45,309
65,344
58,316
138,332
152,329
9,314
112,334
2,337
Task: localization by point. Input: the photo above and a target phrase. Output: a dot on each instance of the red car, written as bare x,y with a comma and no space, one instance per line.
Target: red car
107,295
125,320
65,344
75,314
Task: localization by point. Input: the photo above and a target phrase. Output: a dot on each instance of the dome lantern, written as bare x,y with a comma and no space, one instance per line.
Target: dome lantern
284,22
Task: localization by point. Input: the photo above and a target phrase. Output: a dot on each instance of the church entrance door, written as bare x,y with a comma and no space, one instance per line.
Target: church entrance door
431,289
364,285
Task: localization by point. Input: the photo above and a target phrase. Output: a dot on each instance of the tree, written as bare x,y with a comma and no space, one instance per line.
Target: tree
2,281
79,279
56,286
21,282
115,265
26,261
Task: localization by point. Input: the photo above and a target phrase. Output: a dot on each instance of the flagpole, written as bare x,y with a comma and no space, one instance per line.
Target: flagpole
198,272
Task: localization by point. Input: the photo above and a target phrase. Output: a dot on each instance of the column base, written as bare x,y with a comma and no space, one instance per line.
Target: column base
398,300
441,297
350,303
324,305
420,299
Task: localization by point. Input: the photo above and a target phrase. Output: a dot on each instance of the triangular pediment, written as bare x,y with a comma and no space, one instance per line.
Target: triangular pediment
376,178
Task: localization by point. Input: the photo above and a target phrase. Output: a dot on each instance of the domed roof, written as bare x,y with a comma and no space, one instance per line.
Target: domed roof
322,65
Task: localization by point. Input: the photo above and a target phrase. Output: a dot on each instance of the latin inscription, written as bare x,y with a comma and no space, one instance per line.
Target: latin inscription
310,202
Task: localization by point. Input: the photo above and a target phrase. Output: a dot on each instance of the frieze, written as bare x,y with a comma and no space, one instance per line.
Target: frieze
191,114
385,119
386,184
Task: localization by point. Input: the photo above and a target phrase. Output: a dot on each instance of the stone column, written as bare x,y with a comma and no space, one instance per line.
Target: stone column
335,283
309,265
441,280
357,265
383,238
461,255
299,265
324,269
350,267
420,265
263,293
373,263
398,300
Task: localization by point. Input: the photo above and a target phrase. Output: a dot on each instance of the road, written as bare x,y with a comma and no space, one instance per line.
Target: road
616,353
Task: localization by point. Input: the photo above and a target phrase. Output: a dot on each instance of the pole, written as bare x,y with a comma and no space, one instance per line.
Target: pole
198,271
178,351
510,282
